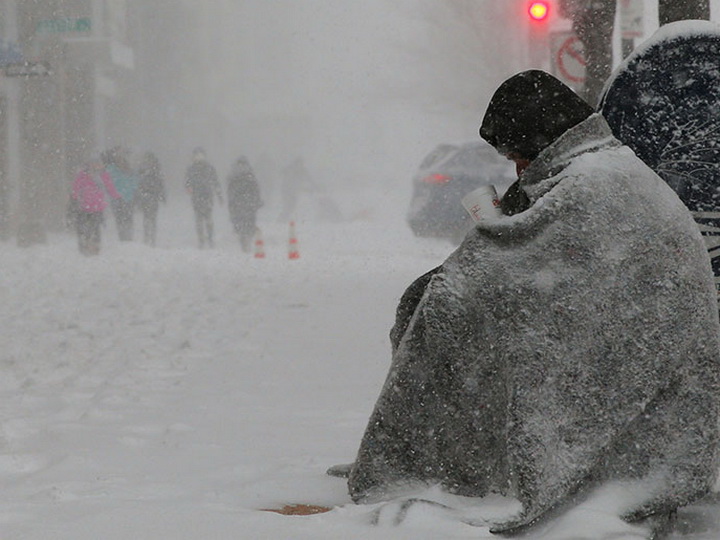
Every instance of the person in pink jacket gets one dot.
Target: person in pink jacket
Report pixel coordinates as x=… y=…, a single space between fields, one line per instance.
x=91 y=190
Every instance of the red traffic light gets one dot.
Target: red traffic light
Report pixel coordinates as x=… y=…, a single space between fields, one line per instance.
x=539 y=11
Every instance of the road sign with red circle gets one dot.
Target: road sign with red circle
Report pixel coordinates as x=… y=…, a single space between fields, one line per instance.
x=568 y=56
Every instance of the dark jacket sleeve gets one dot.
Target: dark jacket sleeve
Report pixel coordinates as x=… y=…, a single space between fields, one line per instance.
x=407 y=305
x=514 y=201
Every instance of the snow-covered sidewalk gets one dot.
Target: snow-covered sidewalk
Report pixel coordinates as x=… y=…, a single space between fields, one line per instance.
x=174 y=393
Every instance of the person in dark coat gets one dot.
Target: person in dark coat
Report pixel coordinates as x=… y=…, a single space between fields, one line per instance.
x=244 y=201
x=201 y=182
x=571 y=347
x=117 y=164
x=151 y=191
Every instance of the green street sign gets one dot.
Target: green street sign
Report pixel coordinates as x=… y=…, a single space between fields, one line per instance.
x=64 y=25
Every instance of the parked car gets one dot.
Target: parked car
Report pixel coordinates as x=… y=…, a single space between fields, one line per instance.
x=444 y=177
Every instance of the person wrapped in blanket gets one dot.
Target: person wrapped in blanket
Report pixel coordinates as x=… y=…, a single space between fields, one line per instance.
x=572 y=342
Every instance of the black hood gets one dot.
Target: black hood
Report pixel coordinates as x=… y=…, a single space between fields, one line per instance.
x=529 y=111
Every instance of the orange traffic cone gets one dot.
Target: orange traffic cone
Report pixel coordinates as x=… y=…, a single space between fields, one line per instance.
x=259 y=245
x=293 y=252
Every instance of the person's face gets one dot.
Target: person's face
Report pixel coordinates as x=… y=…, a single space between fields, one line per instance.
x=521 y=163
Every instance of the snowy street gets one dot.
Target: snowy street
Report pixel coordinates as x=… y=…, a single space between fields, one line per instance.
x=173 y=393
x=170 y=393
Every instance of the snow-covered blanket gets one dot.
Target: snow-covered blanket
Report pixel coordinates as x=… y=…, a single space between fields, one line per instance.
x=557 y=349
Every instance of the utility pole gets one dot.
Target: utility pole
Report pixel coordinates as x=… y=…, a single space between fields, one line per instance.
x=679 y=10
x=593 y=23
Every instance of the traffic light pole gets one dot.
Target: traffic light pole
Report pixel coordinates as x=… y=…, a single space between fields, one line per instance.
x=538 y=35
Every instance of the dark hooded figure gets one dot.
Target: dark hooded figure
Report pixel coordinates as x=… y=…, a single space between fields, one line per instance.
x=521 y=129
x=571 y=346
x=150 y=192
x=244 y=201
x=117 y=164
x=201 y=182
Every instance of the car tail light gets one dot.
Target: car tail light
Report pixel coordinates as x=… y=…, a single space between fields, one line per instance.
x=436 y=179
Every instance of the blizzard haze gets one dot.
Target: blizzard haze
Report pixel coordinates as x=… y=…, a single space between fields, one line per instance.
x=361 y=90
x=176 y=393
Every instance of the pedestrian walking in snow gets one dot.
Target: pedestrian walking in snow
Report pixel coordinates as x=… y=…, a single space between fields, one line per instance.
x=244 y=201
x=117 y=164
x=201 y=182
x=151 y=191
x=570 y=345
x=91 y=190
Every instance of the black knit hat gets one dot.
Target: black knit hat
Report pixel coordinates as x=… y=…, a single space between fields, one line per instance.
x=529 y=111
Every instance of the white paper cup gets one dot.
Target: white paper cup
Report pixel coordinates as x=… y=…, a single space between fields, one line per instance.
x=482 y=203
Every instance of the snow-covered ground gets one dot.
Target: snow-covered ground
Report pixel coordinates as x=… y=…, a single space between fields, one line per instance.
x=174 y=393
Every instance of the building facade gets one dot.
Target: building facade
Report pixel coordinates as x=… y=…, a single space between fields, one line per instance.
x=60 y=99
